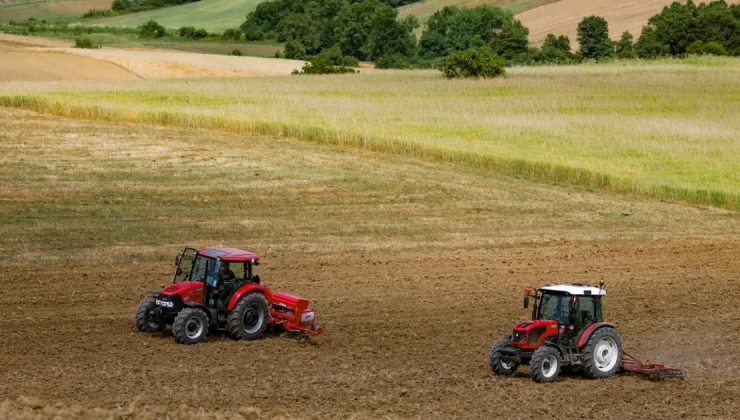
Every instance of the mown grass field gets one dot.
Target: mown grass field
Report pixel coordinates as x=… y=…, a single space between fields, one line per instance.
x=213 y=15
x=667 y=130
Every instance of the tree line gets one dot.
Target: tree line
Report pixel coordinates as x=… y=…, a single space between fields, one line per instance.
x=372 y=30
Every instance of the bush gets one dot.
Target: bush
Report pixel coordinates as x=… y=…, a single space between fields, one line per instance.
x=473 y=62
x=322 y=65
x=236 y=52
x=84 y=43
x=151 y=29
x=251 y=31
x=710 y=48
x=278 y=54
x=294 y=50
x=96 y=13
x=593 y=35
x=231 y=34
x=200 y=34
x=186 y=31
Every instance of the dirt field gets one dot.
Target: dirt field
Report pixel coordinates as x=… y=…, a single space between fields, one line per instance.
x=414 y=268
x=562 y=17
x=29 y=58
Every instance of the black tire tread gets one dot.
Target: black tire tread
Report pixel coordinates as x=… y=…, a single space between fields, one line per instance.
x=142 y=315
x=178 y=327
x=235 y=317
x=587 y=354
x=494 y=361
x=535 y=365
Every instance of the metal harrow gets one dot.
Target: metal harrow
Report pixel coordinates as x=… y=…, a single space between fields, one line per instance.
x=653 y=371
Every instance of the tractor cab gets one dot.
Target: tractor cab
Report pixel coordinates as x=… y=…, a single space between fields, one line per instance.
x=572 y=307
x=223 y=270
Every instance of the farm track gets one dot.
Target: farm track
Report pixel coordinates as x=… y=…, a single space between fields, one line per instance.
x=407 y=335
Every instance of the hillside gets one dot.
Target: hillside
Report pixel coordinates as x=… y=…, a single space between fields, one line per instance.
x=424 y=9
x=562 y=18
x=40 y=10
x=213 y=15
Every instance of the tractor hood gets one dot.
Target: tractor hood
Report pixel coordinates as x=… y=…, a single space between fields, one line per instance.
x=182 y=288
x=530 y=325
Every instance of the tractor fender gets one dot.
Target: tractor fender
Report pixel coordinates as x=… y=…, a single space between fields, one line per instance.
x=200 y=306
x=590 y=330
x=551 y=342
x=247 y=289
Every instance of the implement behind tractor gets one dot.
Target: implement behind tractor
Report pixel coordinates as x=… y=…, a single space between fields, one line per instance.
x=568 y=329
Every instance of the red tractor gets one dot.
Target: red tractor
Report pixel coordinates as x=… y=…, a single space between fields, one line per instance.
x=215 y=288
x=567 y=329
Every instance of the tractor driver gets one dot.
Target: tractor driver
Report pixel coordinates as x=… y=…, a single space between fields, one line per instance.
x=225 y=273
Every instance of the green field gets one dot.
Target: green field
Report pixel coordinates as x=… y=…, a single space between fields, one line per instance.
x=50 y=10
x=665 y=129
x=213 y=15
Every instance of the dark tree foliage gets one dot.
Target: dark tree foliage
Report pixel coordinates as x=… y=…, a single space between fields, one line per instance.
x=453 y=29
x=151 y=29
x=624 y=47
x=473 y=62
x=560 y=43
x=513 y=41
x=593 y=35
x=131 y=6
x=366 y=29
x=679 y=26
x=294 y=50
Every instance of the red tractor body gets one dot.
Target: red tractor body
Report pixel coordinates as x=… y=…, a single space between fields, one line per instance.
x=567 y=329
x=215 y=289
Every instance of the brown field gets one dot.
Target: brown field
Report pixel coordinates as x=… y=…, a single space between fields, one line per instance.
x=562 y=17
x=30 y=58
x=414 y=268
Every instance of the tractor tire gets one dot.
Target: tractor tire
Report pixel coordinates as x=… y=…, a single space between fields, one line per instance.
x=602 y=354
x=190 y=326
x=142 y=317
x=545 y=364
x=250 y=317
x=498 y=366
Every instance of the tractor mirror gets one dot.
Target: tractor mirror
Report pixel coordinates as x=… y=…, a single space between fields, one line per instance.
x=526 y=302
x=177 y=259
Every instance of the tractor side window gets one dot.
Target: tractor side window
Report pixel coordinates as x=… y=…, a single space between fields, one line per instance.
x=588 y=311
x=555 y=307
x=199 y=268
x=182 y=273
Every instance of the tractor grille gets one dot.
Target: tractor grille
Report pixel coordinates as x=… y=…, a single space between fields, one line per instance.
x=519 y=336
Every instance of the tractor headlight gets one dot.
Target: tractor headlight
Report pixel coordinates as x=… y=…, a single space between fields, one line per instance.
x=165 y=303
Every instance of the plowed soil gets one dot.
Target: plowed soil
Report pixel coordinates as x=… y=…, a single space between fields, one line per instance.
x=410 y=309
x=562 y=17
x=407 y=335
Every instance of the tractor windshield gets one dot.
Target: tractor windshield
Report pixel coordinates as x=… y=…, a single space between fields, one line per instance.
x=203 y=268
x=555 y=306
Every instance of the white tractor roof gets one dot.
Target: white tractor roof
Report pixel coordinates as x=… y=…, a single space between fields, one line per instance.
x=576 y=289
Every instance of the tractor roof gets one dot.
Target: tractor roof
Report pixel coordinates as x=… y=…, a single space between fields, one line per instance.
x=230 y=254
x=576 y=289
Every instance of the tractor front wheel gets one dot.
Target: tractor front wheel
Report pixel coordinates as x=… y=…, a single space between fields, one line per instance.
x=143 y=323
x=545 y=364
x=498 y=366
x=602 y=353
x=249 y=319
x=190 y=326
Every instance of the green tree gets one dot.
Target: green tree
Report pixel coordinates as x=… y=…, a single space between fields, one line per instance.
x=453 y=29
x=294 y=50
x=649 y=46
x=560 y=43
x=513 y=41
x=473 y=62
x=624 y=47
x=593 y=35
x=151 y=29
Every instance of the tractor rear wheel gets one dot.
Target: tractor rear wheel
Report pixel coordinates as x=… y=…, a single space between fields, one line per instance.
x=602 y=354
x=545 y=364
x=190 y=326
x=498 y=366
x=249 y=319
x=143 y=323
